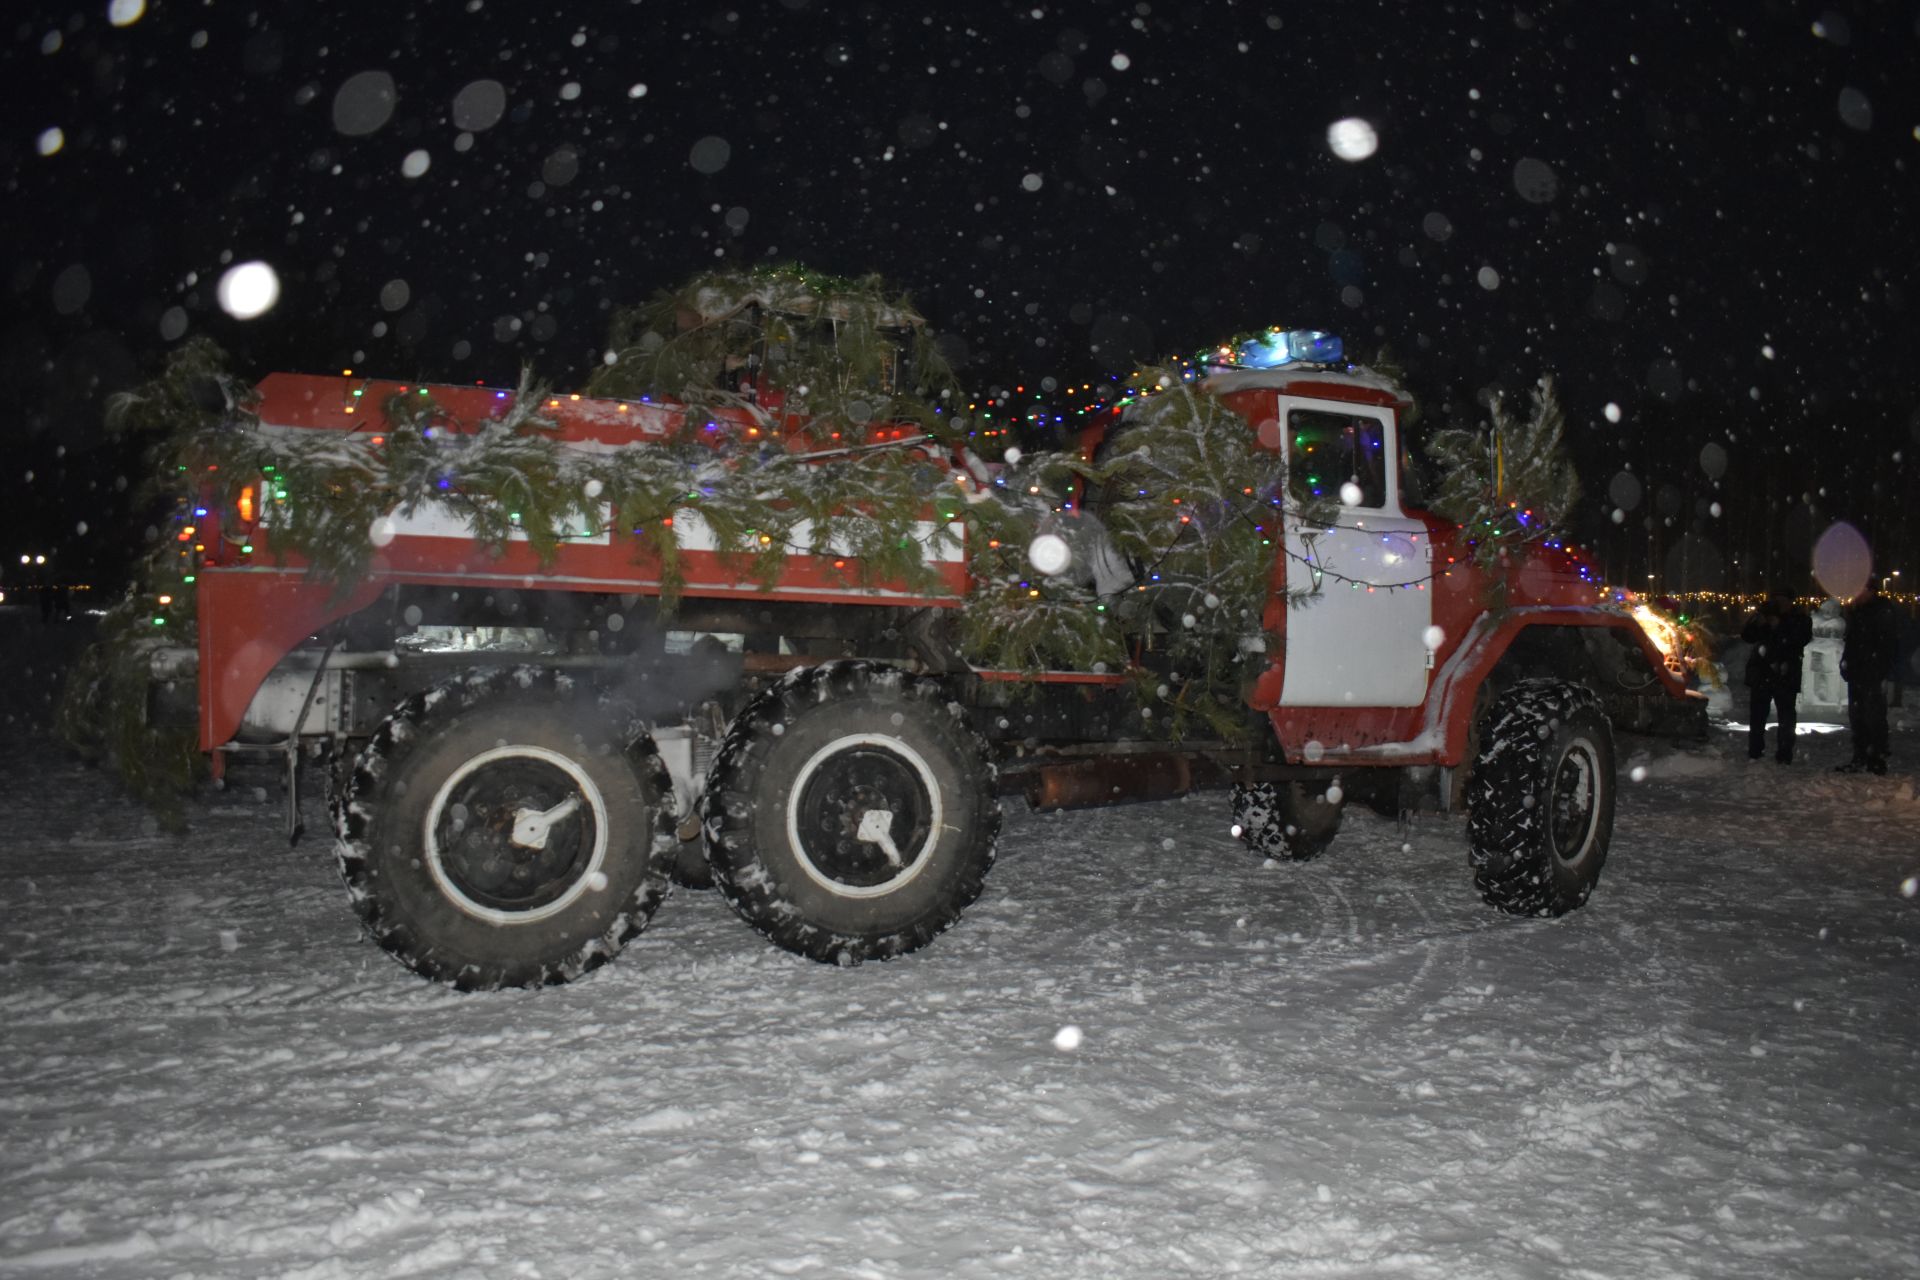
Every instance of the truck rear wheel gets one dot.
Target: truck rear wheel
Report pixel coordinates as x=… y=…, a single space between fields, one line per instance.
x=500 y=831
x=850 y=813
x=1540 y=799
x=1290 y=821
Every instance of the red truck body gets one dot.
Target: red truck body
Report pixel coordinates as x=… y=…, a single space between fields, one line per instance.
x=1383 y=690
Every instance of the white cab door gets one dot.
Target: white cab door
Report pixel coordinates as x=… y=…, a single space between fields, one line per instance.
x=1358 y=638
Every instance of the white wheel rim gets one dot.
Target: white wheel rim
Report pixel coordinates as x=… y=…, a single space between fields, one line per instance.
x=583 y=882
x=1582 y=756
x=912 y=866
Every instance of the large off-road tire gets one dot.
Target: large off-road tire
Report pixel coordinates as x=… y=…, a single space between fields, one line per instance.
x=504 y=829
x=850 y=813
x=1540 y=799
x=1290 y=821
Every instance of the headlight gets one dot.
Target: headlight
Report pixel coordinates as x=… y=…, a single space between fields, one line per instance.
x=1658 y=629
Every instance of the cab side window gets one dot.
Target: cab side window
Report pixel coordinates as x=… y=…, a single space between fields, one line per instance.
x=1327 y=451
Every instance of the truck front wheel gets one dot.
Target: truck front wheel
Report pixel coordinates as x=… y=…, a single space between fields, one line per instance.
x=1540 y=799
x=501 y=830
x=1290 y=821
x=850 y=813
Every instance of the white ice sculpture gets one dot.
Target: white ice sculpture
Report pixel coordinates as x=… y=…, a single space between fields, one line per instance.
x=1821 y=688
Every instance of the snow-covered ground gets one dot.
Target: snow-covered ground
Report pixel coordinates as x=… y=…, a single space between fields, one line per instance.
x=1346 y=1068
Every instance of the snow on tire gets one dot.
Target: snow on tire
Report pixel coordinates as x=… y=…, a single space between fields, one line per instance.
x=503 y=830
x=850 y=813
x=1540 y=799
x=1290 y=821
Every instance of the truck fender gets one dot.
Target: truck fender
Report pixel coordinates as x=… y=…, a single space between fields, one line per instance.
x=249 y=620
x=1450 y=699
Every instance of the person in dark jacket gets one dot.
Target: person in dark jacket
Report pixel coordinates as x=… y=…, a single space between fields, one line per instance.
x=1779 y=632
x=1866 y=660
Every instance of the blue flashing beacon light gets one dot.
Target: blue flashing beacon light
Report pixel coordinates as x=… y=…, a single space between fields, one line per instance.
x=1277 y=347
x=1274 y=349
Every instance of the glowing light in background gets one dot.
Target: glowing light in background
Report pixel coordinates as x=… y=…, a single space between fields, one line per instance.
x=248 y=289
x=1050 y=554
x=1352 y=139
x=1842 y=560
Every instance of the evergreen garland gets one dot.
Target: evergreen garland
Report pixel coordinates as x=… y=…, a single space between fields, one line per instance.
x=180 y=413
x=1509 y=487
x=102 y=714
x=1195 y=502
x=102 y=711
x=1184 y=506
x=1165 y=539
x=782 y=341
x=504 y=475
x=826 y=346
x=1017 y=617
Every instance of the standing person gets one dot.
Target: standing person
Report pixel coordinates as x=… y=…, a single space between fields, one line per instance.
x=1866 y=660
x=1779 y=632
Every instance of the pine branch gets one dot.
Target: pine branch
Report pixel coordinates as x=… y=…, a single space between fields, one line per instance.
x=1512 y=485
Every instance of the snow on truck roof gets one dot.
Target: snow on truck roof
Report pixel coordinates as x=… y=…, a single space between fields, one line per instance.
x=1302 y=380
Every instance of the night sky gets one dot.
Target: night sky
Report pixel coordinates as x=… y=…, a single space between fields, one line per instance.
x=1699 y=218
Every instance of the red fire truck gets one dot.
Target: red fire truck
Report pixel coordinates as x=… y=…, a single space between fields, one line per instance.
x=523 y=753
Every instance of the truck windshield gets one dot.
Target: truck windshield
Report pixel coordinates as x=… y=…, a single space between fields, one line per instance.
x=1328 y=450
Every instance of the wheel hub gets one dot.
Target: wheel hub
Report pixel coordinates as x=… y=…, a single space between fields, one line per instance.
x=514 y=834
x=863 y=815
x=1572 y=803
